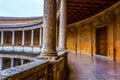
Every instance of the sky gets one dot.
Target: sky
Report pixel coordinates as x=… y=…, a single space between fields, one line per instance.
x=21 y=8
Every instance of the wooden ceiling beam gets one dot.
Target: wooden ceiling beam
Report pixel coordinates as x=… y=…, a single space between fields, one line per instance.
x=78 y=10
x=86 y=6
x=92 y=2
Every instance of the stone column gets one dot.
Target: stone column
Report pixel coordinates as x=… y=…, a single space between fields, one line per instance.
x=2 y=37
x=32 y=36
x=62 y=29
x=23 y=38
x=22 y=61
x=0 y=63
x=12 y=62
x=40 y=37
x=49 y=29
x=13 y=38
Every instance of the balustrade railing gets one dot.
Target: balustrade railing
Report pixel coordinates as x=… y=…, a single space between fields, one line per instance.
x=21 y=49
x=37 y=70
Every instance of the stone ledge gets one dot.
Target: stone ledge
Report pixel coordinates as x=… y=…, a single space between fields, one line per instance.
x=5 y=74
x=47 y=58
x=19 y=55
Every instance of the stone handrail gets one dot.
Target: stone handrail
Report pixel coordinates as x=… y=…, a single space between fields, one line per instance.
x=18 y=55
x=31 y=71
x=21 y=49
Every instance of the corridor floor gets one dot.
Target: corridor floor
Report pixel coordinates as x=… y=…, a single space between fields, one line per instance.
x=85 y=67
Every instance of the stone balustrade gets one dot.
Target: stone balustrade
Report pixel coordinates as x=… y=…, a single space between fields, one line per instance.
x=21 y=49
x=34 y=70
x=38 y=70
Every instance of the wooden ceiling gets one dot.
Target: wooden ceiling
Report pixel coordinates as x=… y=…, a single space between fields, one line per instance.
x=78 y=10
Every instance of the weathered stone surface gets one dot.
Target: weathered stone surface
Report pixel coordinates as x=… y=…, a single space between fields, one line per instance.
x=62 y=28
x=38 y=70
x=27 y=71
x=49 y=29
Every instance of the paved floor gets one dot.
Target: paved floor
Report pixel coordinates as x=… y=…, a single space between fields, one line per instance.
x=84 y=67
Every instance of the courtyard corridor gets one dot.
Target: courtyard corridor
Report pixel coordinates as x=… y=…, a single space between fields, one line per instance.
x=85 y=67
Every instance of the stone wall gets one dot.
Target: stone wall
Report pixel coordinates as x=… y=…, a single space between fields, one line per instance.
x=81 y=36
x=7 y=38
x=27 y=38
x=18 y=38
x=36 y=37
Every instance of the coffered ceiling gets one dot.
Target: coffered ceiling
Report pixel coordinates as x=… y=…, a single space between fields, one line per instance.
x=78 y=10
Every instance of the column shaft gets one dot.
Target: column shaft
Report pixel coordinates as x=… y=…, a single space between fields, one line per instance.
x=32 y=36
x=40 y=37
x=13 y=38
x=1 y=63
x=49 y=29
x=12 y=62
x=23 y=33
x=63 y=22
x=2 y=37
x=22 y=61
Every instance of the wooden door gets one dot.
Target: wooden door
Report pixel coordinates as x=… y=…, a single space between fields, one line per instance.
x=101 y=41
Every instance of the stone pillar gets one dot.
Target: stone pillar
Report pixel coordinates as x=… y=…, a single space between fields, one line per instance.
x=22 y=61
x=32 y=37
x=0 y=63
x=13 y=38
x=2 y=37
x=23 y=38
x=40 y=37
x=62 y=29
x=49 y=29
x=12 y=62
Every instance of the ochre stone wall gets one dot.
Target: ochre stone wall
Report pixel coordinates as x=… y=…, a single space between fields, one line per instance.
x=81 y=36
x=17 y=62
x=117 y=43
x=36 y=37
x=70 y=41
x=27 y=38
x=18 y=38
x=6 y=63
x=7 y=38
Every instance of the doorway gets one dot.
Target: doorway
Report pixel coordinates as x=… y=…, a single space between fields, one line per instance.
x=101 y=41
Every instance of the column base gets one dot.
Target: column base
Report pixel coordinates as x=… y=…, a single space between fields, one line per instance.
x=48 y=52
x=48 y=55
x=49 y=58
x=61 y=49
